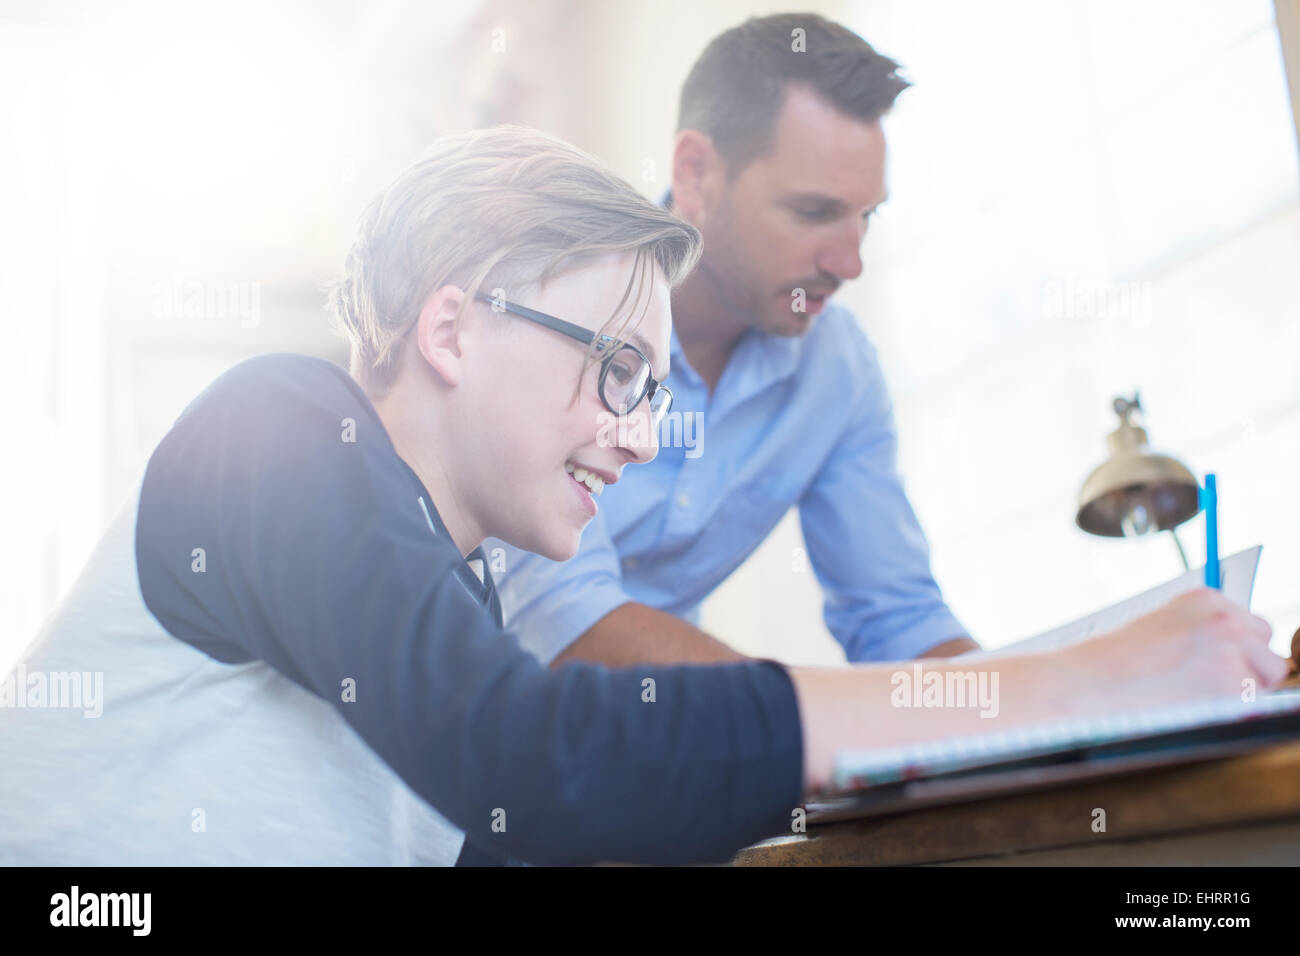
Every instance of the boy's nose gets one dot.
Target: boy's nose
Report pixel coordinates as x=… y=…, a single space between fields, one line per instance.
x=638 y=435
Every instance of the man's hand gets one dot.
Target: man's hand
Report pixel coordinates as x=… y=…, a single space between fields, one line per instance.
x=1293 y=665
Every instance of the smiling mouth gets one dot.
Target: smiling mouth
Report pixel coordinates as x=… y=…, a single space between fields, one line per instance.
x=594 y=483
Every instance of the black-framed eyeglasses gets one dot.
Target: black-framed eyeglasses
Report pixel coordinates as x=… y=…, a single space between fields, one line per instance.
x=625 y=378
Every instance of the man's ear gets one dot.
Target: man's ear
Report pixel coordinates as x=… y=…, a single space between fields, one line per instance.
x=438 y=334
x=699 y=175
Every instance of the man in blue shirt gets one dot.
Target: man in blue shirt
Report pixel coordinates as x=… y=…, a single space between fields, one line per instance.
x=779 y=398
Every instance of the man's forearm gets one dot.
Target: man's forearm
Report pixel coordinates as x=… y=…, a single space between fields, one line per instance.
x=958 y=645
x=636 y=634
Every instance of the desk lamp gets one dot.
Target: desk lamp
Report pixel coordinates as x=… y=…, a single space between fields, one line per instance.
x=1137 y=491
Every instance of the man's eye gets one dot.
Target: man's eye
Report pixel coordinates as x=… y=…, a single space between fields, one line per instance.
x=813 y=215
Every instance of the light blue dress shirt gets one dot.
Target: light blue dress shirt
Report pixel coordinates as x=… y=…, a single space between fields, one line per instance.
x=803 y=422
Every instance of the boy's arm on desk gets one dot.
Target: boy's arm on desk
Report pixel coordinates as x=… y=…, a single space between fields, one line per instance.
x=1197 y=647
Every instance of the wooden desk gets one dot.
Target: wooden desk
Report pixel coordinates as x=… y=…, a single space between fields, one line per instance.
x=1236 y=811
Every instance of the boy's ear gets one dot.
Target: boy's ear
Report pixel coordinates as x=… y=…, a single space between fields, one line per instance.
x=438 y=334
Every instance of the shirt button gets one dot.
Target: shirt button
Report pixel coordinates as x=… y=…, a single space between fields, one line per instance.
x=629 y=563
x=683 y=500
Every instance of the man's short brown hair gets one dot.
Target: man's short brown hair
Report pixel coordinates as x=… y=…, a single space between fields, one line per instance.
x=736 y=88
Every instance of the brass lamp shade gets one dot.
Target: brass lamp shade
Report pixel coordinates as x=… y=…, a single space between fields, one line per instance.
x=1136 y=490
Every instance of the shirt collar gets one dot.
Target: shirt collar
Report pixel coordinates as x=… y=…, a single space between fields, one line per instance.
x=680 y=368
x=483 y=589
x=486 y=594
x=761 y=360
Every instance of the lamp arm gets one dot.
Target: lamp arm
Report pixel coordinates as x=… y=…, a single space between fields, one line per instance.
x=1181 y=553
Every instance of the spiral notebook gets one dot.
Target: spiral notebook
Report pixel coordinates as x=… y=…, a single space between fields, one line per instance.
x=893 y=779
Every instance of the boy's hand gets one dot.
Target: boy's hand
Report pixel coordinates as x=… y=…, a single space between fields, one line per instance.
x=1199 y=645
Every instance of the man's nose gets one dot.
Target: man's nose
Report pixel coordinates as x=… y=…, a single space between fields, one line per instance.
x=843 y=257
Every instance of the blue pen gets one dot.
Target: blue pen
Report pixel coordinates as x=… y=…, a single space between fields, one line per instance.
x=1210 y=501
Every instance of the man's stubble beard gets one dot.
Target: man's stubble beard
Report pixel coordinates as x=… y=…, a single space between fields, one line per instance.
x=743 y=298
x=740 y=297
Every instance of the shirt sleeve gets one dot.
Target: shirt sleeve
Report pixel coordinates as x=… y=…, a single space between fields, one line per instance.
x=316 y=558
x=550 y=604
x=864 y=541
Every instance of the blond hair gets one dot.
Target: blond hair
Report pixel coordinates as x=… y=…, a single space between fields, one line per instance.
x=492 y=208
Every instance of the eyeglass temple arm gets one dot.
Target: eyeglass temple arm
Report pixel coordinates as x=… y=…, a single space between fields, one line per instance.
x=586 y=336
